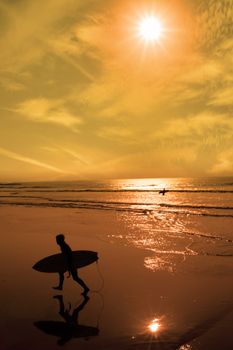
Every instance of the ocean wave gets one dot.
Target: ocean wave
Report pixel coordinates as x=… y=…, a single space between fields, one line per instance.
x=187 y=213
x=118 y=203
x=191 y=253
x=117 y=206
x=48 y=189
x=188 y=206
x=71 y=205
x=207 y=236
x=79 y=200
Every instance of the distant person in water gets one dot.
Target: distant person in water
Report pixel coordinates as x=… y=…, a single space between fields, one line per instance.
x=163 y=191
x=67 y=252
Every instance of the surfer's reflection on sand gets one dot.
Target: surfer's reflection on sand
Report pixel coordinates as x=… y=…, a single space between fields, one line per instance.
x=71 y=327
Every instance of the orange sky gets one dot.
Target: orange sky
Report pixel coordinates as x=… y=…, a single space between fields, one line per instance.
x=82 y=96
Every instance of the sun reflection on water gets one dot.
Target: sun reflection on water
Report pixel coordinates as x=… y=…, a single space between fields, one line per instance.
x=174 y=227
x=154 y=326
x=160 y=333
x=185 y=347
x=144 y=184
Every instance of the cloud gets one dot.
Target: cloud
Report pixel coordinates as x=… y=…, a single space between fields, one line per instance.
x=74 y=155
x=43 y=110
x=205 y=125
x=204 y=70
x=11 y=85
x=32 y=30
x=115 y=132
x=24 y=159
x=71 y=51
x=222 y=97
x=213 y=21
x=224 y=163
x=60 y=149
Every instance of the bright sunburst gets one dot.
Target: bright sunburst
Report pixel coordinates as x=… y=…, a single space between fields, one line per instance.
x=154 y=326
x=150 y=28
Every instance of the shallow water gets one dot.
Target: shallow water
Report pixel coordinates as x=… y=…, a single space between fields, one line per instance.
x=195 y=216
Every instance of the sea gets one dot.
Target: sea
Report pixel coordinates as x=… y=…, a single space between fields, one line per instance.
x=175 y=218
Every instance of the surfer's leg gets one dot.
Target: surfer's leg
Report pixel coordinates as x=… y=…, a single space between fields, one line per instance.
x=61 y=304
x=61 y=280
x=79 y=281
x=76 y=311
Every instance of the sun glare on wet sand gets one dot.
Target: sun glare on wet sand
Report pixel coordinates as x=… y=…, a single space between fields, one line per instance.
x=154 y=326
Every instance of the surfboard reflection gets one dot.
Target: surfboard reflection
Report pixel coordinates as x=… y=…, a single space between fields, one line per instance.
x=70 y=328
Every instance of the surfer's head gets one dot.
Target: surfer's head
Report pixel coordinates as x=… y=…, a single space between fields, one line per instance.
x=60 y=238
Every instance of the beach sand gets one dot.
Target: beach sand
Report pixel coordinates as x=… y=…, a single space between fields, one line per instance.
x=191 y=309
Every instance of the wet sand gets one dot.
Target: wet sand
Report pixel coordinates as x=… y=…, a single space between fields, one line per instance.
x=192 y=310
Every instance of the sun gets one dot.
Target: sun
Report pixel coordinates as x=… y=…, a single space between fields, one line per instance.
x=150 y=28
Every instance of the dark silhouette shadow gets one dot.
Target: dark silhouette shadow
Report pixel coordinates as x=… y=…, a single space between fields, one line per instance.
x=70 y=328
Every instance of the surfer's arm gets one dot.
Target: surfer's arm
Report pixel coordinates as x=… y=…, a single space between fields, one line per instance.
x=69 y=263
x=66 y=250
x=69 y=259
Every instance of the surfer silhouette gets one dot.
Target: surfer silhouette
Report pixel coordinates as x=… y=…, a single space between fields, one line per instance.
x=67 y=252
x=163 y=191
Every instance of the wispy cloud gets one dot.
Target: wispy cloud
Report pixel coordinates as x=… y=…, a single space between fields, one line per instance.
x=203 y=126
x=32 y=32
x=222 y=97
x=43 y=110
x=70 y=51
x=28 y=160
x=11 y=85
x=74 y=155
x=213 y=22
x=115 y=133
x=223 y=164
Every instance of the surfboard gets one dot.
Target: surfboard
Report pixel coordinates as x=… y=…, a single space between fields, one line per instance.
x=63 y=329
x=57 y=262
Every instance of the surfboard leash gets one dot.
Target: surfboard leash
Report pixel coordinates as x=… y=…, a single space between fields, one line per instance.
x=101 y=277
